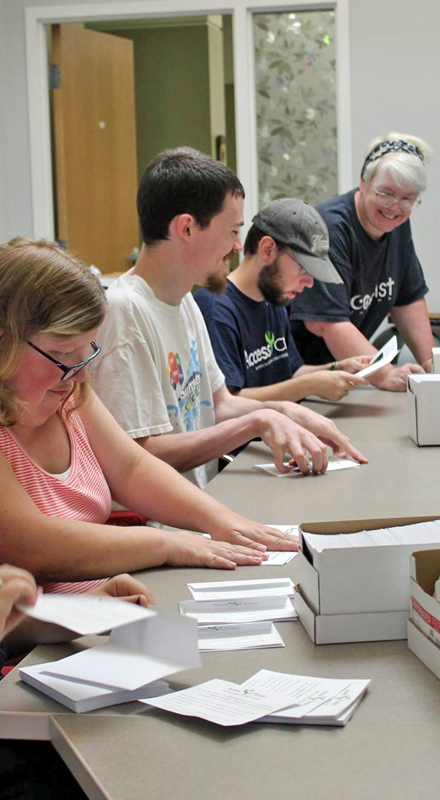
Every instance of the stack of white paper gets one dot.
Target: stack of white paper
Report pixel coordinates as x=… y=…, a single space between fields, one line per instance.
x=248 y=609
x=247 y=636
x=413 y=535
x=238 y=615
x=338 y=698
x=155 y=645
x=81 y=697
x=268 y=697
x=236 y=590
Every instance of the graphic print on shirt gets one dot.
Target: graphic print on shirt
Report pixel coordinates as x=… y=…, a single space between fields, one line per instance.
x=187 y=389
x=274 y=349
x=382 y=291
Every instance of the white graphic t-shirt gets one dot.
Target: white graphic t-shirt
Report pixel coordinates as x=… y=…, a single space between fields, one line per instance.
x=157 y=372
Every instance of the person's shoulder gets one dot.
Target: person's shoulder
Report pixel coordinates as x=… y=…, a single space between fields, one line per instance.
x=127 y=291
x=338 y=209
x=211 y=304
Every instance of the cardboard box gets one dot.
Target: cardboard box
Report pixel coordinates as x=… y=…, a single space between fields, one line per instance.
x=355 y=594
x=436 y=359
x=423 y=397
x=424 y=608
x=344 y=628
x=356 y=580
x=425 y=649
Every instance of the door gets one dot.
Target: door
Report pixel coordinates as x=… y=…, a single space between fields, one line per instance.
x=95 y=146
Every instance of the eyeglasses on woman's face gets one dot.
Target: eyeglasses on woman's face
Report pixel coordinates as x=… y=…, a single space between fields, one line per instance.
x=388 y=200
x=69 y=371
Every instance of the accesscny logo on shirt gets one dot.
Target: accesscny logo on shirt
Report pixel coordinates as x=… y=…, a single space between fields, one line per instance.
x=383 y=290
x=262 y=354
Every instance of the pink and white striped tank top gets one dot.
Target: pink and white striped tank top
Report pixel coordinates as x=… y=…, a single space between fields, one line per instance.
x=84 y=495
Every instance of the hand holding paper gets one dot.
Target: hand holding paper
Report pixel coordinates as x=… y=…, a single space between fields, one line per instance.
x=385 y=356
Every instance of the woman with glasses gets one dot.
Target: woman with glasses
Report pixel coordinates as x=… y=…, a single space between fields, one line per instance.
x=371 y=247
x=63 y=458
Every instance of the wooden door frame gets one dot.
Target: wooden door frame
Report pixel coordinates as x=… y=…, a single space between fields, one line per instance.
x=246 y=136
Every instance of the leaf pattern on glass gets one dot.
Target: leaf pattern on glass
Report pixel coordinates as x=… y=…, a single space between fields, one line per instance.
x=295 y=75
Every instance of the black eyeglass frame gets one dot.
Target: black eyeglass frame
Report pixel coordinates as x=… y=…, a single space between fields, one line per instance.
x=74 y=368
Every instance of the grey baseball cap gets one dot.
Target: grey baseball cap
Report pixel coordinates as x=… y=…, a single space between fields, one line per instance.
x=298 y=225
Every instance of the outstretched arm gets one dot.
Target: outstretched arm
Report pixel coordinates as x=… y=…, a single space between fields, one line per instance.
x=329 y=385
x=413 y=323
x=343 y=339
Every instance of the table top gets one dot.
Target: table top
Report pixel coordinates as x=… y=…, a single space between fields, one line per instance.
x=390 y=747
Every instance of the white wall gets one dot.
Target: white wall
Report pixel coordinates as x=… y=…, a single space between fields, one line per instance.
x=394 y=85
x=395 y=63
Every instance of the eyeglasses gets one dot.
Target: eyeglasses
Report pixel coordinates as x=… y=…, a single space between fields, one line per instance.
x=388 y=200
x=69 y=372
x=291 y=254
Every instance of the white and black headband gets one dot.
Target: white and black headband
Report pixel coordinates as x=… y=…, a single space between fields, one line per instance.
x=394 y=146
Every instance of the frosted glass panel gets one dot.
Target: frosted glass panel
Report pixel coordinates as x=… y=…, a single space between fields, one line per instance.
x=295 y=75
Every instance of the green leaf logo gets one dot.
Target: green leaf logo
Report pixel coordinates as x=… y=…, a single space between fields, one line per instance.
x=270 y=339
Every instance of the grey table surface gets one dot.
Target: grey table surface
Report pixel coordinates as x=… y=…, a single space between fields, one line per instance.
x=390 y=747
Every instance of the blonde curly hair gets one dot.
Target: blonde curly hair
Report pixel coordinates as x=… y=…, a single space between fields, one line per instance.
x=43 y=289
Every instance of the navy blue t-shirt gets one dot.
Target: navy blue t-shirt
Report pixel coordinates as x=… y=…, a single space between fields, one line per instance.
x=251 y=340
x=377 y=275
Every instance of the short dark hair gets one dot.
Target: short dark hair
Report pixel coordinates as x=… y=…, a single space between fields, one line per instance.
x=253 y=240
x=182 y=181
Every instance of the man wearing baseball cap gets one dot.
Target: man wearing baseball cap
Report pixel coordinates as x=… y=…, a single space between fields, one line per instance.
x=285 y=249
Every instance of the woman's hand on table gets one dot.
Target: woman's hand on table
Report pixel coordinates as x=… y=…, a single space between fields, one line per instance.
x=254 y=535
x=191 y=550
x=124 y=587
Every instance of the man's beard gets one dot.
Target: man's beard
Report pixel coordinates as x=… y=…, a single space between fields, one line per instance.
x=269 y=281
x=216 y=284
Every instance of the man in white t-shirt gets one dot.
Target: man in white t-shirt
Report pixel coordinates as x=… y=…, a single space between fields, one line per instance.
x=157 y=372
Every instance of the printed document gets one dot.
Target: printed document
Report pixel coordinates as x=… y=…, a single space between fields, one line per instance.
x=222 y=702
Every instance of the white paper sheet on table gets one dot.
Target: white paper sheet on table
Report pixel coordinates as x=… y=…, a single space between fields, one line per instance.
x=236 y=590
x=248 y=636
x=219 y=701
x=385 y=355
x=85 y=614
x=334 y=464
x=136 y=654
x=277 y=558
x=250 y=609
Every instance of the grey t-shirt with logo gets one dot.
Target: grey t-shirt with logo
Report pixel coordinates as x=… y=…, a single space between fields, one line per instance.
x=377 y=275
